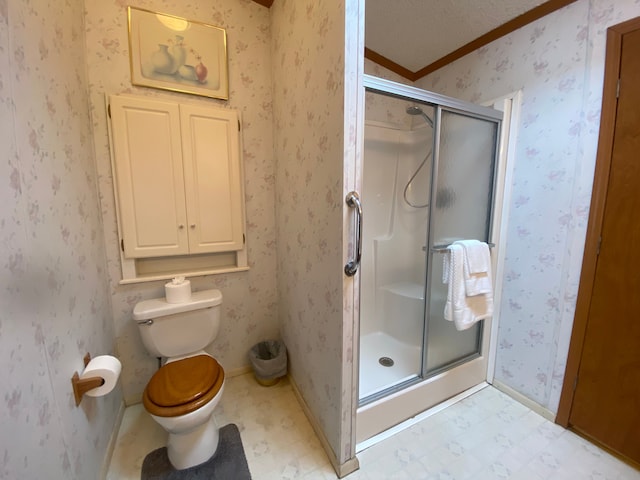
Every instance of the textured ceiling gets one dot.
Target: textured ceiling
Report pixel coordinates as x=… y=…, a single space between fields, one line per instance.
x=416 y=33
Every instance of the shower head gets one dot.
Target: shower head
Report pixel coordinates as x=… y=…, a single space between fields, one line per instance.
x=413 y=110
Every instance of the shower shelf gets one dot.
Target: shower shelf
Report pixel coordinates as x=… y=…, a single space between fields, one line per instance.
x=406 y=289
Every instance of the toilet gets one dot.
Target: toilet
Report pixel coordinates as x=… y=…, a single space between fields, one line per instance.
x=183 y=394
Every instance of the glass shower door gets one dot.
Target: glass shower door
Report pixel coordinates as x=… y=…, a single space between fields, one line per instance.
x=461 y=209
x=395 y=194
x=427 y=180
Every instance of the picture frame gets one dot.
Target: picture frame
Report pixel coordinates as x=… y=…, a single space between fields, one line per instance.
x=173 y=53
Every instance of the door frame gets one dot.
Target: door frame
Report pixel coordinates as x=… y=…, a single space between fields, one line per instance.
x=596 y=212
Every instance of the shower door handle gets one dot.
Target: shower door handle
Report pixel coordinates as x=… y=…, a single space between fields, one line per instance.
x=353 y=201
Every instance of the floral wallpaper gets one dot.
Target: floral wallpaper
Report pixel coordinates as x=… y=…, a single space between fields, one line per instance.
x=249 y=310
x=60 y=292
x=310 y=140
x=56 y=304
x=558 y=63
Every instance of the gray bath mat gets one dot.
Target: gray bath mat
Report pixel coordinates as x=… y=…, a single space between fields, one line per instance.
x=228 y=463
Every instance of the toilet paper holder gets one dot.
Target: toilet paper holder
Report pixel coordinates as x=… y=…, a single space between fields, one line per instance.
x=83 y=385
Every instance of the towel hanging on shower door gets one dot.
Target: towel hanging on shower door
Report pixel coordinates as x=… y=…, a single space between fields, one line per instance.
x=462 y=309
x=477 y=267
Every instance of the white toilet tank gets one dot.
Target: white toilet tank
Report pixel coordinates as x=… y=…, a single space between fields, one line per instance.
x=173 y=329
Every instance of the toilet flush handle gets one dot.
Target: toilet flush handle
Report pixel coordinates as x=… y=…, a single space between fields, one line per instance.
x=146 y=322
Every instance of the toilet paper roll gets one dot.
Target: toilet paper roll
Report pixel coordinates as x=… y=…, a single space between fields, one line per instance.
x=104 y=366
x=178 y=290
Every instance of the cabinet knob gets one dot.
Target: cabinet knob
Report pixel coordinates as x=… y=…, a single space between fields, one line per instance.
x=193 y=225
x=180 y=226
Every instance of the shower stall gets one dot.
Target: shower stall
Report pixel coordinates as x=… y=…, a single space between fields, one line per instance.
x=428 y=178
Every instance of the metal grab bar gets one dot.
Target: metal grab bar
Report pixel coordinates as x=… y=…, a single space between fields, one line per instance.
x=353 y=201
x=445 y=248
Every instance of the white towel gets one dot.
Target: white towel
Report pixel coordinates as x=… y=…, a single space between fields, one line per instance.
x=464 y=311
x=477 y=267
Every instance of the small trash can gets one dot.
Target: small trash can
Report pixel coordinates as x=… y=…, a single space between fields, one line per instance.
x=269 y=361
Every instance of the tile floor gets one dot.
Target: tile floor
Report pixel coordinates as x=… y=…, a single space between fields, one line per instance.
x=485 y=436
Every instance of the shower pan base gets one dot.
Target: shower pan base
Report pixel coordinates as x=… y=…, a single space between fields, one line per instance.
x=375 y=377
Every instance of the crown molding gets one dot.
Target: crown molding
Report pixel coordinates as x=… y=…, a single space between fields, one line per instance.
x=504 y=29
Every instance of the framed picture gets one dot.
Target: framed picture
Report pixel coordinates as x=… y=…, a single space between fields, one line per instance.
x=173 y=53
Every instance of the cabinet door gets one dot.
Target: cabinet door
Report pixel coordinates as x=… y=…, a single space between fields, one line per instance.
x=211 y=152
x=150 y=183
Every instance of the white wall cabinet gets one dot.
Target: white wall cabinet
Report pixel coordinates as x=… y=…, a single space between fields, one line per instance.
x=178 y=177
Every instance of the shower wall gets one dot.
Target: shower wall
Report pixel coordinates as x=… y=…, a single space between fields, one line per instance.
x=393 y=232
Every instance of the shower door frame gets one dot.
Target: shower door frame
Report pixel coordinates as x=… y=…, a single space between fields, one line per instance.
x=430 y=390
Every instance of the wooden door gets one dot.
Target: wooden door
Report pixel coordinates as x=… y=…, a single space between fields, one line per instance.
x=606 y=401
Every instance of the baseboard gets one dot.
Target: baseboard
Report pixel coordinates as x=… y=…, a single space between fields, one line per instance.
x=526 y=401
x=113 y=439
x=133 y=399
x=236 y=372
x=342 y=469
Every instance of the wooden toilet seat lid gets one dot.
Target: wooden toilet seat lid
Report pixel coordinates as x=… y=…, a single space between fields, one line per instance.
x=183 y=386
